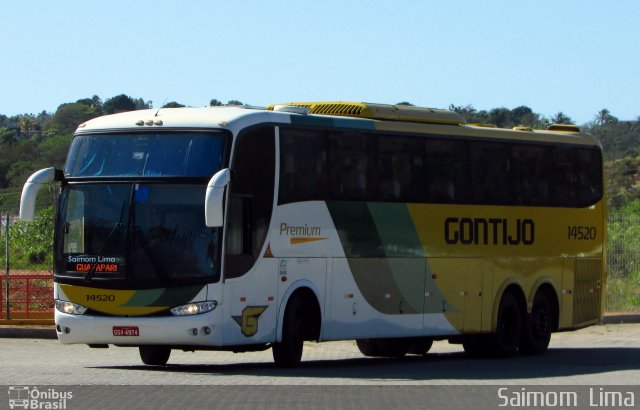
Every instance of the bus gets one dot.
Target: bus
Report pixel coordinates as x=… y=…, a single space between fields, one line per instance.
x=249 y=228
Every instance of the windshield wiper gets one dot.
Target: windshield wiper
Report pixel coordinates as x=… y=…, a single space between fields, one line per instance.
x=116 y=228
x=147 y=250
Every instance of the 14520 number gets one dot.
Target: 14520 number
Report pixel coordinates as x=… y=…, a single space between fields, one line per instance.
x=581 y=233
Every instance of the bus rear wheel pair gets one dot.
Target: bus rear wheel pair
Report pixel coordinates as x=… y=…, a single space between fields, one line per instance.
x=515 y=331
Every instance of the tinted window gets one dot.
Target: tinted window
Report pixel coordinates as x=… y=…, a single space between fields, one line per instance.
x=531 y=174
x=250 y=199
x=447 y=171
x=303 y=165
x=351 y=166
x=146 y=154
x=490 y=166
x=323 y=165
x=399 y=169
x=589 y=175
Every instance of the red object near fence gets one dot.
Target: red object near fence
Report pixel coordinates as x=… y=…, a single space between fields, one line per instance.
x=30 y=297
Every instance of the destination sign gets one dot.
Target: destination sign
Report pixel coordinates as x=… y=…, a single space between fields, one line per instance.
x=97 y=264
x=96 y=267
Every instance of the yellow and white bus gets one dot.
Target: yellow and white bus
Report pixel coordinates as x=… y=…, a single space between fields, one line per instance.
x=244 y=228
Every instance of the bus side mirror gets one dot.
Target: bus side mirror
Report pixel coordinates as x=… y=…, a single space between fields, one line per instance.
x=213 y=212
x=31 y=188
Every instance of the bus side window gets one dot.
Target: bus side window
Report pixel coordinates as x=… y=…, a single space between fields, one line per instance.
x=530 y=174
x=250 y=199
x=303 y=165
x=446 y=171
x=399 y=169
x=589 y=176
x=351 y=163
x=564 y=176
x=490 y=169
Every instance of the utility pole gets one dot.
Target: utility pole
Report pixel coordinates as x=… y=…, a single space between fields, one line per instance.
x=6 y=263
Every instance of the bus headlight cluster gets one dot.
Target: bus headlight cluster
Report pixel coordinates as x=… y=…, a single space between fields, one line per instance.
x=194 y=308
x=70 y=308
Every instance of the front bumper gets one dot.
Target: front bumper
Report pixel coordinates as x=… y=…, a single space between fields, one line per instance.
x=196 y=330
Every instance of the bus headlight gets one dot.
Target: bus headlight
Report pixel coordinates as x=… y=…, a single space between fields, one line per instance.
x=194 y=308
x=70 y=308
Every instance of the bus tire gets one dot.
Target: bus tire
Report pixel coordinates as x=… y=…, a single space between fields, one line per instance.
x=154 y=355
x=421 y=347
x=476 y=345
x=505 y=340
x=368 y=347
x=537 y=327
x=384 y=347
x=288 y=352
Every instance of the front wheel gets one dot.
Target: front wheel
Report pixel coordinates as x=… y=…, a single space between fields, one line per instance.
x=288 y=352
x=154 y=355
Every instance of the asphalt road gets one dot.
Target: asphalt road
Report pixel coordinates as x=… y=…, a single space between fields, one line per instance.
x=597 y=356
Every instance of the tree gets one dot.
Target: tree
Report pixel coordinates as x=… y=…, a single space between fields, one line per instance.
x=604 y=117
x=8 y=136
x=94 y=102
x=523 y=115
x=501 y=117
x=69 y=116
x=173 y=104
x=142 y=104
x=119 y=103
x=234 y=102
x=215 y=103
x=561 y=118
x=26 y=123
x=43 y=119
x=406 y=103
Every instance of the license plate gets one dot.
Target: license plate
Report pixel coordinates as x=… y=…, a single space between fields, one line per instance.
x=126 y=331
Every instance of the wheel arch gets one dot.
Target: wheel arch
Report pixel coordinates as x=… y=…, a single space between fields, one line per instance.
x=312 y=308
x=513 y=286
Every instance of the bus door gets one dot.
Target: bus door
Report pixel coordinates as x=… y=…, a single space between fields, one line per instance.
x=250 y=278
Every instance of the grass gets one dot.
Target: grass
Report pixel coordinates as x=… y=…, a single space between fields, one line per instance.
x=623 y=293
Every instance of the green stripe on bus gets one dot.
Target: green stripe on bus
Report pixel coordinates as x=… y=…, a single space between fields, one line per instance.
x=356 y=229
x=396 y=229
x=163 y=297
x=144 y=298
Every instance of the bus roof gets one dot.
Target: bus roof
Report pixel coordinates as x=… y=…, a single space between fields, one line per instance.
x=380 y=117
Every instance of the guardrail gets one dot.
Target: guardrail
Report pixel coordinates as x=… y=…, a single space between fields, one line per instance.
x=30 y=297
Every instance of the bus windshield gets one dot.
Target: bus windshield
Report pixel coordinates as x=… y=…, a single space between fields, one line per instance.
x=150 y=154
x=144 y=234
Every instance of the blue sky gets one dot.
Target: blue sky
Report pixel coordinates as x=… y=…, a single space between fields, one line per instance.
x=551 y=55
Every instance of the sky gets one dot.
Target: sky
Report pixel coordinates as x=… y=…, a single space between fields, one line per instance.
x=573 y=56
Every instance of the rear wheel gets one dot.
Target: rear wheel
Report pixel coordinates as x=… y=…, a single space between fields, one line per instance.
x=537 y=327
x=476 y=345
x=288 y=352
x=154 y=355
x=504 y=341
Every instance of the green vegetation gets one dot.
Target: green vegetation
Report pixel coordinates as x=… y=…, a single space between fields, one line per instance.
x=31 y=243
